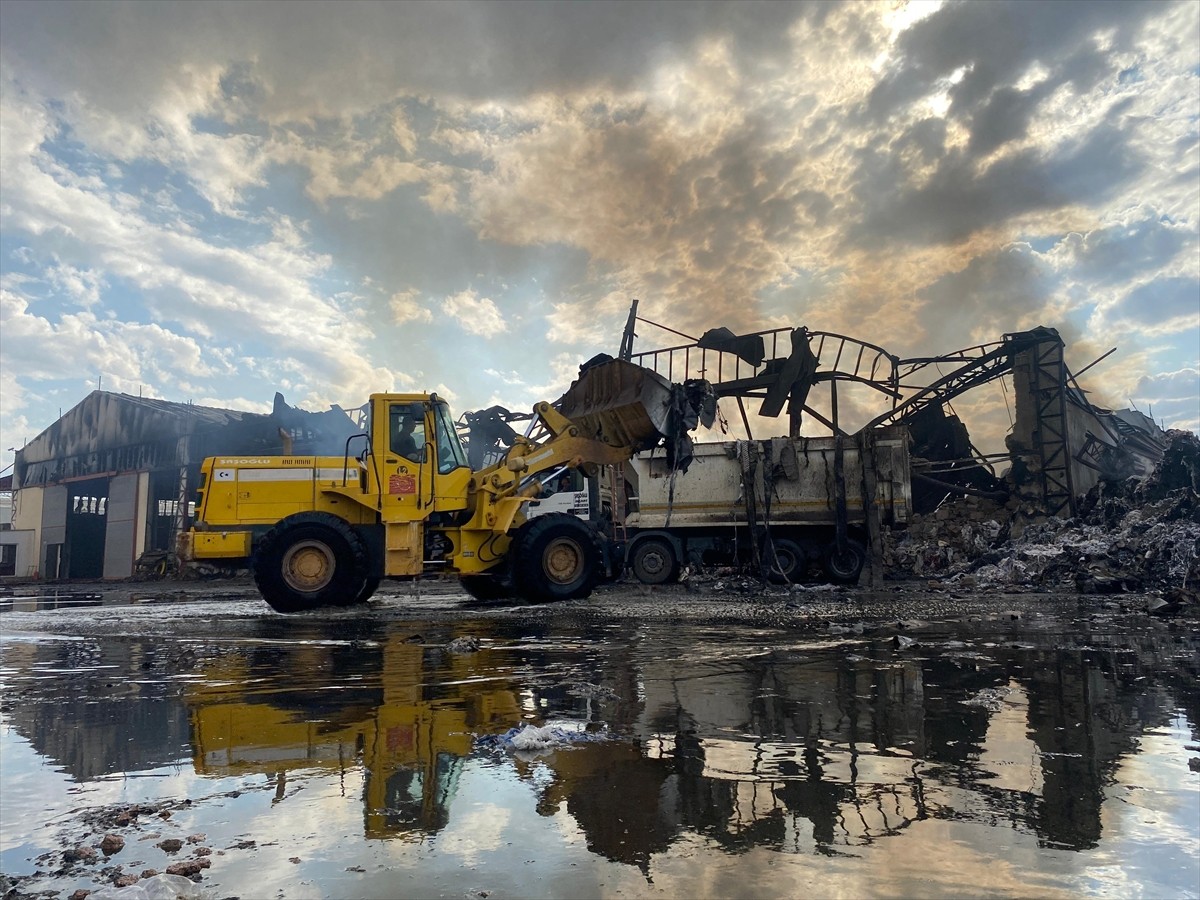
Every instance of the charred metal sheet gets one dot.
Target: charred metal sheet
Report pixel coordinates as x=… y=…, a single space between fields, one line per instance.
x=795 y=377
x=487 y=431
x=750 y=347
x=109 y=433
x=314 y=433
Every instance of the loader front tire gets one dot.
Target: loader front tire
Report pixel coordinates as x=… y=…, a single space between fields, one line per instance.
x=486 y=587
x=308 y=561
x=556 y=557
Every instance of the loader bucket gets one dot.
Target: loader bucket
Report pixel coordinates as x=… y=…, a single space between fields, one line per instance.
x=619 y=403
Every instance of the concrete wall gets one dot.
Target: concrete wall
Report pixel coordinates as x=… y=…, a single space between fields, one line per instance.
x=146 y=507
x=27 y=517
x=25 y=542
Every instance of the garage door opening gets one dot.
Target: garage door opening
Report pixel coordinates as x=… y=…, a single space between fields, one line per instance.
x=87 y=511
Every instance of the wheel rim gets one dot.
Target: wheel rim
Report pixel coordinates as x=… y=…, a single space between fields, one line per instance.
x=844 y=564
x=563 y=561
x=653 y=562
x=308 y=566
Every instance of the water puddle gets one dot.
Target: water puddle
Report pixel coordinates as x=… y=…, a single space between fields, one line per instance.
x=316 y=759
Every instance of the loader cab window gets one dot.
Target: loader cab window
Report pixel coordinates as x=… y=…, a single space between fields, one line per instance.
x=406 y=430
x=450 y=450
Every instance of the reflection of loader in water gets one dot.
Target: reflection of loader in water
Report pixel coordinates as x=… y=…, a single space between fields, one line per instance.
x=410 y=745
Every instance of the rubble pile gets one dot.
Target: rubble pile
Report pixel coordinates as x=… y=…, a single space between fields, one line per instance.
x=1128 y=536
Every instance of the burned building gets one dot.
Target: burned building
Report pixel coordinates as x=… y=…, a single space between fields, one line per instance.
x=1060 y=445
x=114 y=479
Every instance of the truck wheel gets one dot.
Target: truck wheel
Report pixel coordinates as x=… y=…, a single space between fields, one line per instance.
x=844 y=568
x=653 y=561
x=557 y=557
x=486 y=587
x=310 y=561
x=785 y=562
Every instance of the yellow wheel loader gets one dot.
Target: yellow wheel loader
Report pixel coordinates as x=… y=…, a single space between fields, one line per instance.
x=402 y=501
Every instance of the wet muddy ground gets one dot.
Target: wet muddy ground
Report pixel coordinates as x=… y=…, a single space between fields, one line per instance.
x=715 y=744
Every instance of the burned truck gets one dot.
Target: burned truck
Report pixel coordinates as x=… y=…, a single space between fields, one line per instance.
x=786 y=505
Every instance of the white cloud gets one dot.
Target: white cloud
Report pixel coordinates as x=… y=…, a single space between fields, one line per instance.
x=406 y=307
x=852 y=170
x=477 y=315
x=1173 y=398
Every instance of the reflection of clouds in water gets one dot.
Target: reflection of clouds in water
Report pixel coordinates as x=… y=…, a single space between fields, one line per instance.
x=476 y=830
x=1009 y=757
x=1153 y=808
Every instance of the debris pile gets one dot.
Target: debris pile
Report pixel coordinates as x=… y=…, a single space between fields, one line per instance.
x=542 y=738
x=1132 y=535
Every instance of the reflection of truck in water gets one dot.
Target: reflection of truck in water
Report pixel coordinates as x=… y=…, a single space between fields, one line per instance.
x=777 y=498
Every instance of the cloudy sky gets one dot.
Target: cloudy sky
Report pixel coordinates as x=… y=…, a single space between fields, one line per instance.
x=212 y=202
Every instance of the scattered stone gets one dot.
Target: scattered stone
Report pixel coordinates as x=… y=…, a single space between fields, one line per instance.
x=125 y=880
x=81 y=853
x=195 y=838
x=79 y=894
x=464 y=644
x=112 y=843
x=902 y=642
x=171 y=845
x=355 y=869
x=204 y=851
x=1194 y=763
x=294 y=859
x=188 y=867
x=149 y=873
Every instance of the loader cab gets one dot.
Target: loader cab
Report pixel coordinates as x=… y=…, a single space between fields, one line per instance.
x=419 y=466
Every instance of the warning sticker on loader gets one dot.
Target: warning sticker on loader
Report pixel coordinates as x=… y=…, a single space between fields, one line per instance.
x=402 y=484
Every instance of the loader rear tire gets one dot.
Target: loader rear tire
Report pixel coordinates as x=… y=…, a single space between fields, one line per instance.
x=370 y=586
x=653 y=561
x=844 y=568
x=556 y=557
x=308 y=561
